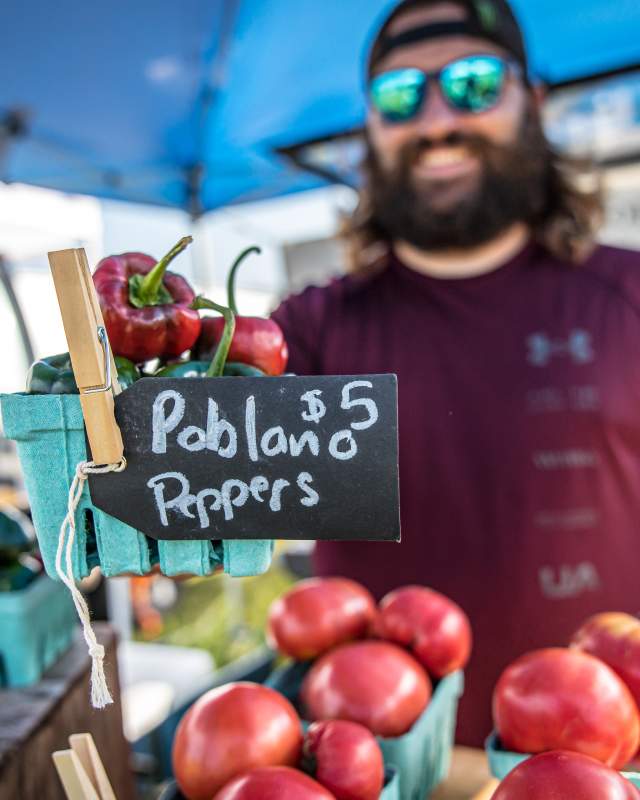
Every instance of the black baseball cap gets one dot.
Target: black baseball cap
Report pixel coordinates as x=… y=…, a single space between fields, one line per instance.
x=493 y=20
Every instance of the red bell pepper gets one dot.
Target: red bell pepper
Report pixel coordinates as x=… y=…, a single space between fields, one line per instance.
x=256 y=341
x=147 y=310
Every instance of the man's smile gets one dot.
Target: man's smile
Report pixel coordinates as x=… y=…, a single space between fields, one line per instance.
x=445 y=163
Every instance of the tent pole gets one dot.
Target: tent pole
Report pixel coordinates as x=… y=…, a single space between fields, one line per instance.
x=25 y=338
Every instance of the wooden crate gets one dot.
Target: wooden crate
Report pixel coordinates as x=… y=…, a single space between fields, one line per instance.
x=37 y=720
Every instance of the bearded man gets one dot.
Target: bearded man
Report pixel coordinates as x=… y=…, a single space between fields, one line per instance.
x=515 y=338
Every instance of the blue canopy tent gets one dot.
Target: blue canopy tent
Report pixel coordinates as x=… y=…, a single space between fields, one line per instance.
x=187 y=104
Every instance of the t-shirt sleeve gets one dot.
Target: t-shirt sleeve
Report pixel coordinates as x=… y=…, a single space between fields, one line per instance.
x=300 y=316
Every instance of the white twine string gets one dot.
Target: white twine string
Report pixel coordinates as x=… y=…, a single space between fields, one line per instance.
x=100 y=696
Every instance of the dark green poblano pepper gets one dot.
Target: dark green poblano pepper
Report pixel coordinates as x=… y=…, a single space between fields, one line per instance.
x=54 y=375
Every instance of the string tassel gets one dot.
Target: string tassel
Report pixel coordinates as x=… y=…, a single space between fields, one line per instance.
x=100 y=696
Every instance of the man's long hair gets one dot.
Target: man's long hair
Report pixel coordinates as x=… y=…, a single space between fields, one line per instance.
x=565 y=222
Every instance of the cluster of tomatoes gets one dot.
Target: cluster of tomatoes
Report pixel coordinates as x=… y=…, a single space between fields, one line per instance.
x=578 y=708
x=371 y=675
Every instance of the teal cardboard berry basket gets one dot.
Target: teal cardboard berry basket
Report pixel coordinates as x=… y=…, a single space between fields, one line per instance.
x=390 y=791
x=256 y=667
x=37 y=625
x=422 y=756
x=502 y=761
x=50 y=438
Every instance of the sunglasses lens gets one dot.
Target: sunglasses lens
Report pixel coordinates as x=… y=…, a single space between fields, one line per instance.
x=473 y=84
x=398 y=94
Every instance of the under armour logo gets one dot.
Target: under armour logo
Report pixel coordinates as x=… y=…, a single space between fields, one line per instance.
x=542 y=349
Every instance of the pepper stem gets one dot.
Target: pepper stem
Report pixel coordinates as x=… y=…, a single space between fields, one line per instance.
x=148 y=291
x=222 y=351
x=231 y=280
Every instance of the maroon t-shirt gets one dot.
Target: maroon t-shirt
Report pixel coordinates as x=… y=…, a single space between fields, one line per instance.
x=519 y=429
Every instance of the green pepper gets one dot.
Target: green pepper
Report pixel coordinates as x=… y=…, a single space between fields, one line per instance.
x=17 y=567
x=54 y=375
x=14 y=539
x=16 y=576
x=128 y=372
x=199 y=369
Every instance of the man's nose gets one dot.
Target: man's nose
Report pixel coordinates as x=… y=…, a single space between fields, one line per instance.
x=436 y=119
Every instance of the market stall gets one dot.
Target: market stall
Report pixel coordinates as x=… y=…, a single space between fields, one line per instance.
x=121 y=440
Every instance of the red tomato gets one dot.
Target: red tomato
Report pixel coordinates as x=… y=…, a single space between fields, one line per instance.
x=561 y=775
x=348 y=759
x=561 y=699
x=274 y=783
x=318 y=614
x=377 y=684
x=230 y=730
x=435 y=629
x=615 y=638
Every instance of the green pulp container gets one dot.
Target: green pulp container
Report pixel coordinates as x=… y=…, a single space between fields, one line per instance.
x=50 y=438
x=422 y=756
x=502 y=761
x=390 y=791
x=37 y=624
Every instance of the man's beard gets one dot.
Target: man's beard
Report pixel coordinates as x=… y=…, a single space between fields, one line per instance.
x=512 y=187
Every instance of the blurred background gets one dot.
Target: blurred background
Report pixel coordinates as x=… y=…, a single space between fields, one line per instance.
x=237 y=121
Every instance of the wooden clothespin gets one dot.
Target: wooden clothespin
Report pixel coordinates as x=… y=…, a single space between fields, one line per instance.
x=91 y=358
x=81 y=770
x=75 y=781
x=85 y=748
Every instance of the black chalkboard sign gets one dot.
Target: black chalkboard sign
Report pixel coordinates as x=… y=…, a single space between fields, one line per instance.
x=257 y=458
